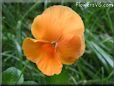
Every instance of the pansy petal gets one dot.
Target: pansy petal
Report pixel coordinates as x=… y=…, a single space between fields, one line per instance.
x=50 y=62
x=32 y=48
x=44 y=27
x=70 y=48
x=55 y=21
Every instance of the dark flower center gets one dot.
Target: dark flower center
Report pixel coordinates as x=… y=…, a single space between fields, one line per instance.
x=53 y=44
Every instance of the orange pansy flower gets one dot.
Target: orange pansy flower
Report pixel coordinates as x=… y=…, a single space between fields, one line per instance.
x=59 y=39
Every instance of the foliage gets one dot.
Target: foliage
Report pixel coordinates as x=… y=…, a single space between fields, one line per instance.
x=12 y=76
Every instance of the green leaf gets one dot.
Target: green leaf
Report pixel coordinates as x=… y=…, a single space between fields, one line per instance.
x=12 y=76
x=29 y=82
x=104 y=56
x=62 y=78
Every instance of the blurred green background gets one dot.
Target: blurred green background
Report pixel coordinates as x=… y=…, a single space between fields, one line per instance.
x=96 y=66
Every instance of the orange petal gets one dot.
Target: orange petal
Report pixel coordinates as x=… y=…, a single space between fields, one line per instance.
x=31 y=48
x=43 y=54
x=44 y=28
x=55 y=21
x=50 y=62
x=70 y=48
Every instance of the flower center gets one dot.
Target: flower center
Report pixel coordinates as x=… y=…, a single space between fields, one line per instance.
x=53 y=43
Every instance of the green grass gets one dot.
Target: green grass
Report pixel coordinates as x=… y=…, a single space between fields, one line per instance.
x=96 y=66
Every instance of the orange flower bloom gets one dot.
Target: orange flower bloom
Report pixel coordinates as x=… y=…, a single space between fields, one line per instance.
x=59 y=39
